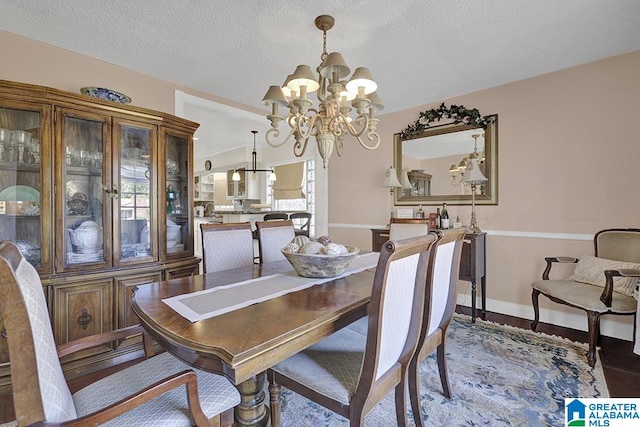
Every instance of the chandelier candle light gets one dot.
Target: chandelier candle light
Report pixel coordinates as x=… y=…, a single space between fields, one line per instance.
x=332 y=118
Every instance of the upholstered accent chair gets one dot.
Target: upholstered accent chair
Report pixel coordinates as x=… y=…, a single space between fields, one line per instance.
x=600 y=284
x=301 y=221
x=226 y=246
x=348 y=372
x=403 y=228
x=440 y=303
x=158 y=391
x=272 y=237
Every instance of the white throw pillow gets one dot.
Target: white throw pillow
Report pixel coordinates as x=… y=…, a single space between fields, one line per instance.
x=590 y=269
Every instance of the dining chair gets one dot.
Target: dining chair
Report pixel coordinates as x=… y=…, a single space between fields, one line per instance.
x=302 y=220
x=599 y=285
x=275 y=216
x=440 y=303
x=149 y=393
x=272 y=237
x=349 y=373
x=226 y=246
x=399 y=229
x=403 y=228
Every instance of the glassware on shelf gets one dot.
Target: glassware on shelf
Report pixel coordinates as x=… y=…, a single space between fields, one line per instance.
x=34 y=149
x=172 y=167
x=21 y=138
x=5 y=139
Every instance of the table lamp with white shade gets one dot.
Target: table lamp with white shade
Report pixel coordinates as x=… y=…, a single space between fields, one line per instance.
x=473 y=176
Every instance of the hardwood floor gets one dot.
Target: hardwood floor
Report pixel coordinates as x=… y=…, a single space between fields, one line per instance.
x=621 y=366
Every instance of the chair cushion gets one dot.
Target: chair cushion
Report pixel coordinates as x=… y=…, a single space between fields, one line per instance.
x=216 y=393
x=590 y=269
x=585 y=295
x=330 y=367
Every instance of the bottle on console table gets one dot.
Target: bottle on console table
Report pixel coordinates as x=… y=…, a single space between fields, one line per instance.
x=438 y=218
x=420 y=213
x=444 y=222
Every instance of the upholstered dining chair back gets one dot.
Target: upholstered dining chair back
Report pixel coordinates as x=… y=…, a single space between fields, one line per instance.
x=149 y=393
x=226 y=246
x=350 y=372
x=440 y=303
x=32 y=349
x=403 y=228
x=392 y=328
x=272 y=237
x=441 y=286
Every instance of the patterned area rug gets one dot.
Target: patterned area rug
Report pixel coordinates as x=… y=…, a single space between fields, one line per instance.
x=499 y=375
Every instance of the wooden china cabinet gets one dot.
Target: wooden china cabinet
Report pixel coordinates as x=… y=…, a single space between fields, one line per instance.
x=96 y=194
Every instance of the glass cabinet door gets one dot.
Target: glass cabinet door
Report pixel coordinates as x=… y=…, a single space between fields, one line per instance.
x=178 y=197
x=24 y=201
x=85 y=232
x=134 y=208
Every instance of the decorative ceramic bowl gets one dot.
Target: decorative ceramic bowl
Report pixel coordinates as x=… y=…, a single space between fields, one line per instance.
x=87 y=238
x=173 y=232
x=319 y=265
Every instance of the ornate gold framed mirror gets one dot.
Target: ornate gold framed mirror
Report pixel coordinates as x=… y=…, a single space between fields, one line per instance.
x=427 y=158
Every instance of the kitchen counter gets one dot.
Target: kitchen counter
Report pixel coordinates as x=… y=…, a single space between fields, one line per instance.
x=222 y=212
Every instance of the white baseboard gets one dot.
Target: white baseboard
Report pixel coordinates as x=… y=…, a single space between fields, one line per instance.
x=608 y=326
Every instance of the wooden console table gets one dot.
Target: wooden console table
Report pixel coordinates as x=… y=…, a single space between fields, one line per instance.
x=473 y=262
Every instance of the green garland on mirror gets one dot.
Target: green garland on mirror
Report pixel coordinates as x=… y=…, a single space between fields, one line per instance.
x=459 y=114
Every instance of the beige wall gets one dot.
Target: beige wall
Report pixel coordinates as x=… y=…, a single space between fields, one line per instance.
x=567 y=162
x=568 y=156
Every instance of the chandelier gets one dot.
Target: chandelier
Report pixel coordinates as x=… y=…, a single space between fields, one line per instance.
x=331 y=120
x=254 y=163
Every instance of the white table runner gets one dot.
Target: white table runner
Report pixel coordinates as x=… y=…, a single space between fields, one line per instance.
x=223 y=299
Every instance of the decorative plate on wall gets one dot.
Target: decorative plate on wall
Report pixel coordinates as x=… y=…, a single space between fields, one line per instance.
x=104 y=93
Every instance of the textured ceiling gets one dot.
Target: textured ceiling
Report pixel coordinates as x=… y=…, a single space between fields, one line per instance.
x=419 y=51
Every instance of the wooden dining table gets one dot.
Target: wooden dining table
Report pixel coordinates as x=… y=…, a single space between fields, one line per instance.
x=244 y=343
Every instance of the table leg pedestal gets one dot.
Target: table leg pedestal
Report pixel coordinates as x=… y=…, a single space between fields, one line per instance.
x=252 y=410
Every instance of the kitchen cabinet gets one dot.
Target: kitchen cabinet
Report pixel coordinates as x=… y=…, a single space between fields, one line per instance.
x=97 y=195
x=204 y=187
x=247 y=188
